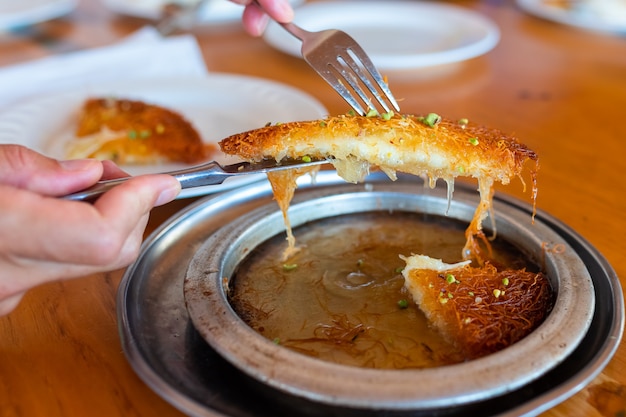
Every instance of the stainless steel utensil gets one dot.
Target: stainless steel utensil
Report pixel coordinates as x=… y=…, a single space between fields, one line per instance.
x=210 y=173
x=339 y=59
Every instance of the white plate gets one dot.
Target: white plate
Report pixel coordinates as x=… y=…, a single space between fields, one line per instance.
x=213 y=11
x=602 y=16
x=397 y=34
x=218 y=105
x=16 y=13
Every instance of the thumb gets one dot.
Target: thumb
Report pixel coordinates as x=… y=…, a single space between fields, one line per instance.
x=26 y=169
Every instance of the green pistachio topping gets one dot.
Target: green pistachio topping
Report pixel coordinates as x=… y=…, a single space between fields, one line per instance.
x=403 y=304
x=388 y=115
x=451 y=279
x=432 y=119
x=372 y=113
x=473 y=141
x=306 y=158
x=289 y=267
x=505 y=281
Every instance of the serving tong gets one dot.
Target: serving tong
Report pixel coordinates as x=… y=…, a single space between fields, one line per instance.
x=210 y=173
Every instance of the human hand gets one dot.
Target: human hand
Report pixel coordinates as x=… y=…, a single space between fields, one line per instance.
x=255 y=19
x=44 y=238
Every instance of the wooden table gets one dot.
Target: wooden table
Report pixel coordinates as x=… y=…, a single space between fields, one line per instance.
x=562 y=90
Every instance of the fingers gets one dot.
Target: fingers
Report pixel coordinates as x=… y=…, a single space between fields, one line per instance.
x=45 y=239
x=26 y=169
x=280 y=11
x=255 y=17
x=254 y=20
x=41 y=228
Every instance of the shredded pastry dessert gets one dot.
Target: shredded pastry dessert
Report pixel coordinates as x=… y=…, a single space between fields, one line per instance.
x=479 y=310
x=428 y=146
x=134 y=132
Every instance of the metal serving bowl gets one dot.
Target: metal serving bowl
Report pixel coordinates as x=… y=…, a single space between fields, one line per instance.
x=334 y=385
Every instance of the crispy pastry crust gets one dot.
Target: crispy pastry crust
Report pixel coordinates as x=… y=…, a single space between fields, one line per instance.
x=479 y=310
x=406 y=143
x=135 y=132
x=403 y=143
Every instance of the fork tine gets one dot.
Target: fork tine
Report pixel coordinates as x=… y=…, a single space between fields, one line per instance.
x=348 y=74
x=331 y=78
x=355 y=59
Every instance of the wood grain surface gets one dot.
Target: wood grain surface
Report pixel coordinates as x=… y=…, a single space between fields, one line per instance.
x=561 y=90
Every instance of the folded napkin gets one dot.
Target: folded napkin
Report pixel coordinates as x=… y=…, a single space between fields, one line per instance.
x=142 y=55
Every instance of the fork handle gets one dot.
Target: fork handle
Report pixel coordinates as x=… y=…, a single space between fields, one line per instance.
x=210 y=173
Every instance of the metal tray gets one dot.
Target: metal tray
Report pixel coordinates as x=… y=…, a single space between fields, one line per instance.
x=170 y=356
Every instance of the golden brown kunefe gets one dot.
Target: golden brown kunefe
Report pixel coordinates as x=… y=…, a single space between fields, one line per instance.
x=135 y=132
x=427 y=146
x=479 y=310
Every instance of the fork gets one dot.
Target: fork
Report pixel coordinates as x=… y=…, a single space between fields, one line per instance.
x=210 y=173
x=337 y=57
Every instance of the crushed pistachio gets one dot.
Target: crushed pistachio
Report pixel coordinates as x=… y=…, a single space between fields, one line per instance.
x=372 y=113
x=289 y=267
x=403 y=304
x=463 y=122
x=306 y=158
x=443 y=300
x=351 y=112
x=276 y=341
x=451 y=279
x=473 y=141
x=505 y=281
x=497 y=293
x=388 y=115
x=431 y=119
x=360 y=262
x=144 y=134
x=132 y=134
x=399 y=270
x=471 y=293
x=323 y=123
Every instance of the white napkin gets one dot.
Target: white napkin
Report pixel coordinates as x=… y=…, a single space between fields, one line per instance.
x=142 y=55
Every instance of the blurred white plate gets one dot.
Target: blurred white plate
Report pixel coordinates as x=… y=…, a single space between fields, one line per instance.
x=397 y=34
x=213 y=11
x=218 y=105
x=16 y=13
x=602 y=16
